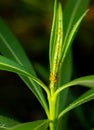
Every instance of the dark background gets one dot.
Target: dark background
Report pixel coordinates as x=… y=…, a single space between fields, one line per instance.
x=30 y=21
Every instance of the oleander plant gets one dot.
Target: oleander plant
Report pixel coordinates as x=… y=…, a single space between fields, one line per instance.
x=13 y=59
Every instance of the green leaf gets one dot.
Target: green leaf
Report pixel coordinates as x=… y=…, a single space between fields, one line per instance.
x=35 y=125
x=4 y=129
x=36 y=91
x=7 y=121
x=53 y=34
x=79 y=112
x=9 y=65
x=72 y=13
x=87 y=81
x=89 y=95
x=71 y=36
x=10 y=47
x=80 y=115
x=56 y=38
x=64 y=77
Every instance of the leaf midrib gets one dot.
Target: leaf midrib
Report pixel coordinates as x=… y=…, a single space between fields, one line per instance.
x=71 y=21
x=7 y=44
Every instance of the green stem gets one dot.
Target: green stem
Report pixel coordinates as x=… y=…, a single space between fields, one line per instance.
x=52 y=107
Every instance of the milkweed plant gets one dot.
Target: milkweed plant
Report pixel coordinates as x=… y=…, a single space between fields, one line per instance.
x=13 y=59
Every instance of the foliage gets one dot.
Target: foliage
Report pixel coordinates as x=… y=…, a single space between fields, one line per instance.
x=14 y=59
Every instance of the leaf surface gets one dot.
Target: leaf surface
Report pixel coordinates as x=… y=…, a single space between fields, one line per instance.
x=64 y=77
x=87 y=81
x=35 y=125
x=56 y=38
x=71 y=36
x=53 y=35
x=89 y=95
x=7 y=121
x=11 y=48
x=62 y=99
x=72 y=13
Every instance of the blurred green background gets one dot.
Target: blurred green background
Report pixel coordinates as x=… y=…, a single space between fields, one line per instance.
x=30 y=21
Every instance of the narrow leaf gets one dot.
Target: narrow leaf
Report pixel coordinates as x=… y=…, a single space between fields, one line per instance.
x=11 y=48
x=87 y=81
x=7 y=121
x=72 y=12
x=9 y=65
x=64 y=77
x=89 y=95
x=3 y=128
x=56 y=38
x=71 y=36
x=62 y=98
x=56 y=51
x=53 y=32
x=35 y=125
x=79 y=112
x=84 y=81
